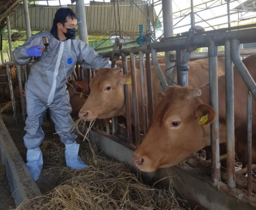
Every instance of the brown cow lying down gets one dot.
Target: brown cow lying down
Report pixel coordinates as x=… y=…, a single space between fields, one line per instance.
x=78 y=92
x=106 y=98
x=179 y=127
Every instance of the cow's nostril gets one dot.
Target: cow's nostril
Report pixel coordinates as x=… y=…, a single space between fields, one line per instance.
x=139 y=161
x=83 y=114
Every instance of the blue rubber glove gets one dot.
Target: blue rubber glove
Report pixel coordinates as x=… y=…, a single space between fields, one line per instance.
x=34 y=51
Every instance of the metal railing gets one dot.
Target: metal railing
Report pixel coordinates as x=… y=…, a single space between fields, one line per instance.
x=231 y=39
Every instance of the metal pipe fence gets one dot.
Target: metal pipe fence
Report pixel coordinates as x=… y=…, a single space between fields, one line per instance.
x=231 y=39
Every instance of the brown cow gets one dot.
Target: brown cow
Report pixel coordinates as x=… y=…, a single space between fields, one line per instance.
x=106 y=99
x=179 y=124
x=78 y=92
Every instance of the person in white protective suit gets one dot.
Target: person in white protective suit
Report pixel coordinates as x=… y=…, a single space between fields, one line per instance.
x=46 y=86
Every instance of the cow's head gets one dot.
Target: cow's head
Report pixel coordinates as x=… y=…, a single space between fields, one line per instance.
x=178 y=129
x=106 y=98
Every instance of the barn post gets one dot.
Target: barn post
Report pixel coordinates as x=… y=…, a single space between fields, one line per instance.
x=1 y=49
x=192 y=15
x=229 y=81
x=136 y=113
x=168 y=32
x=214 y=102
x=228 y=8
x=249 y=144
x=143 y=91
x=128 y=107
x=21 y=94
x=2 y=56
x=82 y=25
x=8 y=72
x=119 y=20
x=9 y=36
x=27 y=18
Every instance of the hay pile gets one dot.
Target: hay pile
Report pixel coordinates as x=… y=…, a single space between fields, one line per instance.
x=104 y=185
x=6 y=107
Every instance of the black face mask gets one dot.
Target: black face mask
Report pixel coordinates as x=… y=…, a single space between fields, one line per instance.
x=71 y=33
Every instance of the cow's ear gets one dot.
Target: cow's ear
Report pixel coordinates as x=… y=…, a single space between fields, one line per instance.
x=205 y=114
x=160 y=96
x=125 y=79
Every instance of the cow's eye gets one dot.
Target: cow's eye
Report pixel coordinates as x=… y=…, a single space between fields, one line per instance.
x=175 y=124
x=108 y=88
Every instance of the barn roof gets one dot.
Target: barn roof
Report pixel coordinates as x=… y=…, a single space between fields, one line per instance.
x=100 y=16
x=6 y=7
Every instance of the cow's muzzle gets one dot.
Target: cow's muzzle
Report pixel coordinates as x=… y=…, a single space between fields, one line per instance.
x=137 y=160
x=84 y=114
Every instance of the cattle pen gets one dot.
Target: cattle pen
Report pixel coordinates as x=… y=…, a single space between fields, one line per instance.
x=216 y=181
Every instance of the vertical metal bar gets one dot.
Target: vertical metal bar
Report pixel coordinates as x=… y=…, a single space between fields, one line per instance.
x=214 y=102
x=76 y=69
x=127 y=103
x=149 y=90
x=178 y=62
x=135 y=101
x=241 y=68
x=11 y=92
x=168 y=32
x=115 y=17
x=148 y=20
x=249 y=144
x=143 y=93
x=228 y=8
x=25 y=73
x=27 y=18
x=9 y=36
x=21 y=92
x=88 y=74
x=2 y=56
x=82 y=25
x=192 y=15
x=92 y=73
x=81 y=73
x=107 y=126
x=158 y=69
x=1 y=49
x=115 y=124
x=60 y=2
x=119 y=20
x=154 y=20
x=102 y=124
x=229 y=81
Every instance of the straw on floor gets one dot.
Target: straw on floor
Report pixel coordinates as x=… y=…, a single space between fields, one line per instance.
x=105 y=185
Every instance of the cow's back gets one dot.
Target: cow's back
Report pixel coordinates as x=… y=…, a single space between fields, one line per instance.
x=240 y=109
x=199 y=71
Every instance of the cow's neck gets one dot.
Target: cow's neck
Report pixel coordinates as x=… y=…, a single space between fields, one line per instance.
x=222 y=116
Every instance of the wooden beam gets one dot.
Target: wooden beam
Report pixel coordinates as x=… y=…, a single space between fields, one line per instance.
x=6 y=13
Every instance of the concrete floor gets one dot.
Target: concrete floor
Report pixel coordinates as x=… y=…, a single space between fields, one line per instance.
x=6 y=199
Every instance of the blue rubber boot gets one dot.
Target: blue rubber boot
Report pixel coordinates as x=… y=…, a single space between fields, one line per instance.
x=72 y=158
x=35 y=162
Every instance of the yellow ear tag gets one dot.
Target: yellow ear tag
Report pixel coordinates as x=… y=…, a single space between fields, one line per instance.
x=203 y=119
x=81 y=95
x=129 y=81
